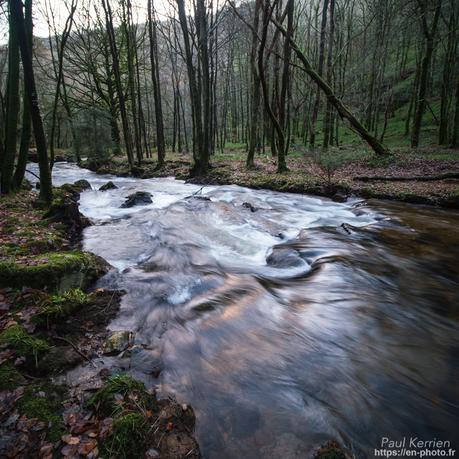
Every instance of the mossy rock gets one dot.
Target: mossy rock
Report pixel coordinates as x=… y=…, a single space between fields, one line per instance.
x=59 y=271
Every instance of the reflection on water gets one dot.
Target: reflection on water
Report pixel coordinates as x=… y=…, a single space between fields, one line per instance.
x=282 y=328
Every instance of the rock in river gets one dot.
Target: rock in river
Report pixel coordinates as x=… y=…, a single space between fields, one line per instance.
x=117 y=342
x=108 y=186
x=82 y=185
x=249 y=206
x=139 y=198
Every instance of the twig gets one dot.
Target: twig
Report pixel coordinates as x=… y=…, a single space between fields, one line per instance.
x=33 y=173
x=198 y=192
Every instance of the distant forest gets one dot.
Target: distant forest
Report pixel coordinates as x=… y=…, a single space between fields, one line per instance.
x=271 y=75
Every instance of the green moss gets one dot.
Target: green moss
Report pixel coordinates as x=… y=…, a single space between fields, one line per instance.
x=55 y=270
x=103 y=400
x=22 y=343
x=45 y=404
x=62 y=305
x=128 y=439
x=10 y=377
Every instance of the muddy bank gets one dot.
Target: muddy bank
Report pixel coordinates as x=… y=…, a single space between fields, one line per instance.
x=52 y=320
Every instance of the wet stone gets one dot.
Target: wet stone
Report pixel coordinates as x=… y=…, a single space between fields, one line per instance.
x=82 y=185
x=249 y=206
x=118 y=342
x=108 y=186
x=139 y=198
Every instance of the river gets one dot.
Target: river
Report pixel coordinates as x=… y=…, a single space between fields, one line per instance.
x=289 y=324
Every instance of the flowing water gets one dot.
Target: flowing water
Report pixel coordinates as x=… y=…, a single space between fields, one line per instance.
x=284 y=328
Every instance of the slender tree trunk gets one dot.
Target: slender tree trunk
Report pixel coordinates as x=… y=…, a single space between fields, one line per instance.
x=320 y=67
x=26 y=120
x=203 y=40
x=328 y=108
x=130 y=43
x=12 y=109
x=112 y=102
x=256 y=92
x=448 y=66
x=161 y=146
x=412 y=104
x=60 y=77
x=425 y=69
x=455 y=134
x=284 y=101
x=200 y=152
x=46 y=192
x=119 y=88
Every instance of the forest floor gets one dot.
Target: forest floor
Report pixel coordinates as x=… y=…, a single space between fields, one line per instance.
x=426 y=175
x=50 y=322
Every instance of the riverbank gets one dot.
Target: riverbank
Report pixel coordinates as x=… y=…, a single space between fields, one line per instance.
x=52 y=320
x=423 y=176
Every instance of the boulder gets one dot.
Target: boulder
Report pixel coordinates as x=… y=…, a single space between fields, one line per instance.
x=59 y=159
x=65 y=209
x=82 y=185
x=117 y=342
x=108 y=186
x=249 y=206
x=139 y=198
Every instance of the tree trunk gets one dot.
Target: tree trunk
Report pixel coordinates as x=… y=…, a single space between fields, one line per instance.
x=46 y=192
x=60 y=76
x=26 y=120
x=12 y=109
x=320 y=67
x=160 y=142
x=448 y=67
x=130 y=43
x=425 y=68
x=328 y=109
x=455 y=134
x=119 y=88
x=256 y=92
x=284 y=100
x=203 y=40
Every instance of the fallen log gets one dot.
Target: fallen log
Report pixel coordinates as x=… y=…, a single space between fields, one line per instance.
x=415 y=178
